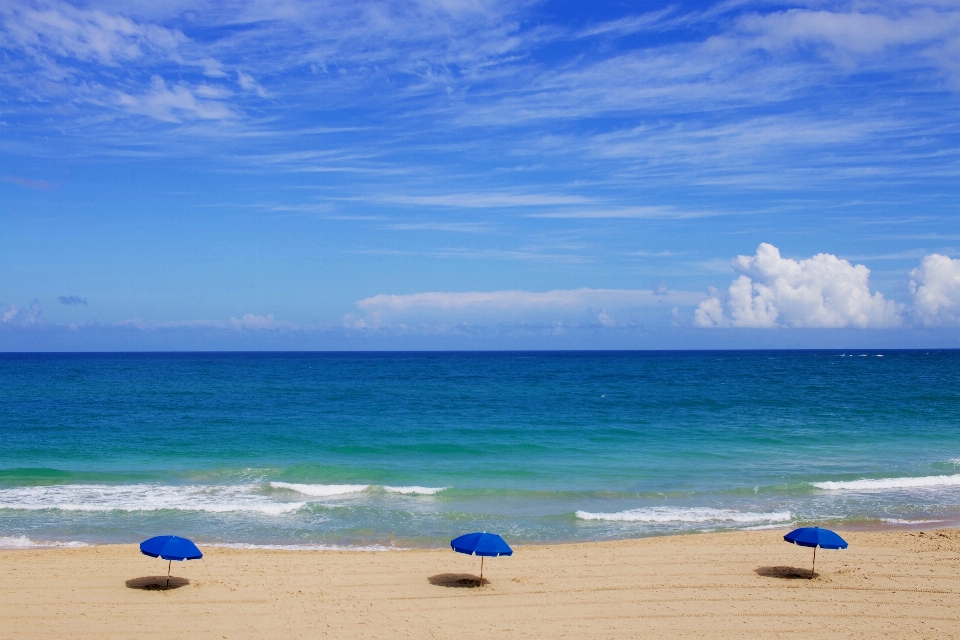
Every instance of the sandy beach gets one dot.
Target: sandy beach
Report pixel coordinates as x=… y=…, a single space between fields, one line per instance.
x=887 y=584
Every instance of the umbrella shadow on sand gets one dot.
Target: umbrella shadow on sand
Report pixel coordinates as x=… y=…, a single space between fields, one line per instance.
x=156 y=583
x=456 y=580
x=784 y=573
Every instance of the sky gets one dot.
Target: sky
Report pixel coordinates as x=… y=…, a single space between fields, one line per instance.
x=472 y=174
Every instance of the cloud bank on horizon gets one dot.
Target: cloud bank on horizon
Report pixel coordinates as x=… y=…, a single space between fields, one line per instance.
x=327 y=173
x=771 y=292
x=821 y=292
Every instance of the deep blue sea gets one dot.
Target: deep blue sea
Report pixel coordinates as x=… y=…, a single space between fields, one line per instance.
x=320 y=450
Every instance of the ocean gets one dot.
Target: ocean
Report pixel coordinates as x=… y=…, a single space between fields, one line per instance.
x=401 y=450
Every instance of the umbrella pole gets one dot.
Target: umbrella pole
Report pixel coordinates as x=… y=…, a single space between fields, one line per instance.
x=481 y=571
x=814 y=562
x=170 y=562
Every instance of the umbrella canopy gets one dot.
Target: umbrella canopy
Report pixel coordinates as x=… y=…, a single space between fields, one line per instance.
x=816 y=537
x=170 y=548
x=481 y=543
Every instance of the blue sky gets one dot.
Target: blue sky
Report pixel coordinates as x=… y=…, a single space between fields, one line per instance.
x=469 y=175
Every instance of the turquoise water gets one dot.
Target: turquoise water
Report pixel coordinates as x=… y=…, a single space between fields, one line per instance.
x=408 y=450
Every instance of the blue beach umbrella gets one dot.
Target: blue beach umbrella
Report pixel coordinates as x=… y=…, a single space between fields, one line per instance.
x=170 y=548
x=483 y=544
x=815 y=537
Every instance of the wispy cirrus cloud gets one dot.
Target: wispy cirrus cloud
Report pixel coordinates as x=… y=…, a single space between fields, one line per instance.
x=247 y=83
x=99 y=57
x=531 y=254
x=178 y=102
x=488 y=200
x=470 y=69
x=732 y=66
x=27 y=182
x=651 y=20
x=856 y=36
x=650 y=213
x=454 y=227
x=64 y=31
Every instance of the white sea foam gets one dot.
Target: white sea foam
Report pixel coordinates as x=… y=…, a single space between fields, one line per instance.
x=154 y=497
x=890 y=484
x=658 y=515
x=302 y=547
x=417 y=491
x=899 y=521
x=328 y=490
x=144 y=497
x=321 y=490
x=23 y=542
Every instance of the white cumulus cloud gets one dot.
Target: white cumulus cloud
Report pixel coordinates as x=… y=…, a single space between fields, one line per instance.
x=935 y=287
x=823 y=291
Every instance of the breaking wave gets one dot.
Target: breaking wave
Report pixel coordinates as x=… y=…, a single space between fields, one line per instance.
x=144 y=497
x=889 y=484
x=415 y=491
x=912 y=522
x=659 y=515
x=251 y=498
x=321 y=490
x=23 y=542
x=301 y=547
x=326 y=490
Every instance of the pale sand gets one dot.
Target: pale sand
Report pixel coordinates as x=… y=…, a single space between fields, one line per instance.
x=731 y=585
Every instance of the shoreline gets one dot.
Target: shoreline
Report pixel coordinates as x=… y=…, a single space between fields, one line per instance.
x=718 y=585
x=932 y=525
